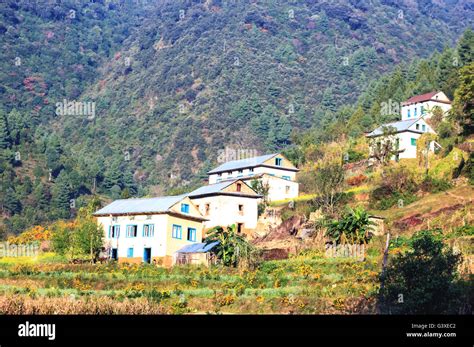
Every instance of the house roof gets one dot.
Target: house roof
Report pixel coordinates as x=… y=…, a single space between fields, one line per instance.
x=198 y=247
x=423 y=97
x=216 y=188
x=142 y=205
x=398 y=126
x=242 y=163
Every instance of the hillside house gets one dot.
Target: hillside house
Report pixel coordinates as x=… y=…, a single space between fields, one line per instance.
x=272 y=169
x=150 y=230
x=403 y=135
x=422 y=105
x=226 y=203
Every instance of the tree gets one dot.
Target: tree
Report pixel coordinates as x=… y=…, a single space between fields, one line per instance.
x=261 y=188
x=61 y=196
x=328 y=185
x=463 y=104
x=232 y=249
x=4 y=133
x=11 y=202
x=384 y=147
x=88 y=234
x=466 y=47
x=422 y=280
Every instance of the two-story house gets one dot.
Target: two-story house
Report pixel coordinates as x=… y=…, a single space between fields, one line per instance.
x=404 y=134
x=150 y=229
x=423 y=105
x=273 y=170
x=226 y=203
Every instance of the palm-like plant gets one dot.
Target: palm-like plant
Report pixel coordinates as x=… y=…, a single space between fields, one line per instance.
x=354 y=227
x=232 y=247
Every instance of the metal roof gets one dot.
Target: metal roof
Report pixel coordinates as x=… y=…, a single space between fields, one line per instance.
x=242 y=163
x=211 y=188
x=142 y=205
x=397 y=127
x=421 y=98
x=198 y=247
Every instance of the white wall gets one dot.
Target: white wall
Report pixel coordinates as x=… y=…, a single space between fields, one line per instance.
x=278 y=188
x=224 y=210
x=157 y=243
x=214 y=178
x=428 y=105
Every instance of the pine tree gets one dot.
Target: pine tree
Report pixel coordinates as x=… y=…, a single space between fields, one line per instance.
x=61 y=195
x=4 y=133
x=466 y=47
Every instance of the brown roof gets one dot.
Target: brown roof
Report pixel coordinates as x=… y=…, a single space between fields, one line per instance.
x=422 y=98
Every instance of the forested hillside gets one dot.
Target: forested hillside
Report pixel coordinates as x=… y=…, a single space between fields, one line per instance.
x=175 y=82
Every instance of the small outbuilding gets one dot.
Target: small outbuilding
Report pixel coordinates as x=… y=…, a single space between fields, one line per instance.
x=196 y=254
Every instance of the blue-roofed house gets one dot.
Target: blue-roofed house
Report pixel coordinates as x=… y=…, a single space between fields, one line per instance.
x=402 y=134
x=150 y=230
x=226 y=203
x=272 y=169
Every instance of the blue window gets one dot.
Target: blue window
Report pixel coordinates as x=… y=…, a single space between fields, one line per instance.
x=114 y=231
x=423 y=127
x=185 y=208
x=131 y=231
x=130 y=253
x=176 y=232
x=409 y=113
x=286 y=177
x=148 y=230
x=192 y=234
x=415 y=112
x=278 y=161
x=413 y=142
x=422 y=109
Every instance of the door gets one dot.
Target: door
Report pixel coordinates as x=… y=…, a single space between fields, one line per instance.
x=147 y=255
x=114 y=254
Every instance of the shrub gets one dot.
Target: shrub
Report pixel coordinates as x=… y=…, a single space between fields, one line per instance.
x=422 y=280
x=356 y=180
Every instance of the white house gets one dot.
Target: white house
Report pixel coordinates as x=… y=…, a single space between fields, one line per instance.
x=150 y=229
x=226 y=203
x=274 y=169
x=422 y=105
x=403 y=134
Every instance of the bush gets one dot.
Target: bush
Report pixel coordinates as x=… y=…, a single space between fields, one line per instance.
x=434 y=185
x=356 y=180
x=422 y=280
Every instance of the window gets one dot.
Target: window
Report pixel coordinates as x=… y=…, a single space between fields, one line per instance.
x=239 y=187
x=287 y=189
x=418 y=127
x=413 y=142
x=130 y=253
x=177 y=232
x=148 y=230
x=278 y=161
x=240 y=226
x=192 y=234
x=422 y=109
x=131 y=231
x=423 y=127
x=414 y=113
x=207 y=209
x=409 y=113
x=114 y=231
x=241 y=208
x=286 y=178
x=185 y=208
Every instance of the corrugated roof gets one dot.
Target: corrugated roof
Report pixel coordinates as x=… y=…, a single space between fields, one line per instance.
x=143 y=205
x=421 y=98
x=211 y=188
x=198 y=247
x=399 y=126
x=242 y=163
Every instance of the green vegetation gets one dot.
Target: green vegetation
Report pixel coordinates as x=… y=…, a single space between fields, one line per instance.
x=415 y=281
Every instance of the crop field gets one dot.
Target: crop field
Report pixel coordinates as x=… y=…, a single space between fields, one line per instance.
x=308 y=283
